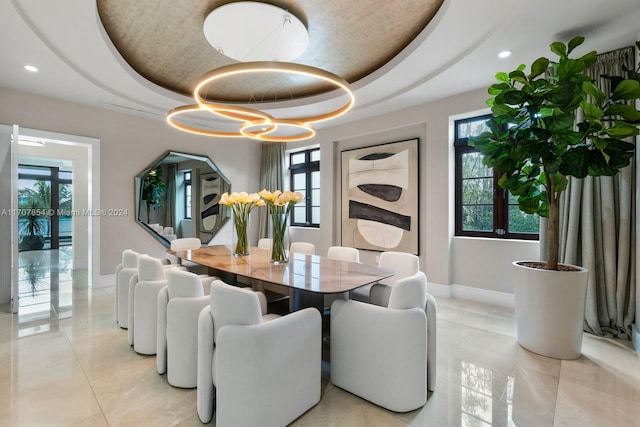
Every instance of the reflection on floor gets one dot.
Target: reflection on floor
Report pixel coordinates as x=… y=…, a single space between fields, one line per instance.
x=45 y=289
x=80 y=371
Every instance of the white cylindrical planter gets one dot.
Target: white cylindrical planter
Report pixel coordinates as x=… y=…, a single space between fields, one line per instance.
x=550 y=309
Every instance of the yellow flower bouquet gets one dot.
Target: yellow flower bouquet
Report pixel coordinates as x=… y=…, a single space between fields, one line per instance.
x=241 y=205
x=280 y=204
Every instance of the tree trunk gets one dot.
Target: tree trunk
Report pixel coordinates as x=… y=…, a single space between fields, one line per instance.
x=553 y=232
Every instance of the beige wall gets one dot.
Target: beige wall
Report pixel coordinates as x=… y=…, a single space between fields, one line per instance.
x=128 y=144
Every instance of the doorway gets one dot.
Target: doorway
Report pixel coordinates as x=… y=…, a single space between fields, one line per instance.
x=45 y=273
x=58 y=176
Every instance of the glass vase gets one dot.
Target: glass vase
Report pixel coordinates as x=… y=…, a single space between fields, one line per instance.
x=279 y=238
x=240 y=239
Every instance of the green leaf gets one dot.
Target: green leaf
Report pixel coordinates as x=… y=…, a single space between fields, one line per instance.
x=592 y=112
x=538 y=67
x=515 y=97
x=543 y=210
x=569 y=68
x=518 y=76
x=594 y=92
x=622 y=130
x=575 y=42
x=498 y=88
x=599 y=164
x=627 y=89
x=575 y=162
x=528 y=205
x=564 y=97
x=558 y=123
x=503 y=77
x=589 y=59
x=567 y=137
x=500 y=110
x=627 y=112
x=600 y=143
x=559 y=49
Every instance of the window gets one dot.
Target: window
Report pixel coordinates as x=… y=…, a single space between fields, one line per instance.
x=304 y=167
x=48 y=190
x=187 y=195
x=483 y=209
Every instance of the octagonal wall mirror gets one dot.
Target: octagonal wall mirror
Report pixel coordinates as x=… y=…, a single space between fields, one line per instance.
x=177 y=196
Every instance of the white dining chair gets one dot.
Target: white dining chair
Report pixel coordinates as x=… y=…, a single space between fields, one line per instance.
x=303 y=248
x=266 y=371
x=186 y=244
x=144 y=287
x=343 y=253
x=402 y=263
x=179 y=305
x=264 y=243
x=387 y=355
x=124 y=272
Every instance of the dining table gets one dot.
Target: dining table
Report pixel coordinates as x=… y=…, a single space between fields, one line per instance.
x=306 y=279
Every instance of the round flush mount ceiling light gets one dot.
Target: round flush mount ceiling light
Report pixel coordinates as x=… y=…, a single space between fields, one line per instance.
x=252 y=31
x=505 y=54
x=30 y=68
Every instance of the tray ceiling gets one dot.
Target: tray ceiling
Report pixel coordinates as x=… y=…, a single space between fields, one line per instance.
x=163 y=41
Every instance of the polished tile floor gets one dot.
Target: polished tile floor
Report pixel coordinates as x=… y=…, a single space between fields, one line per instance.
x=64 y=362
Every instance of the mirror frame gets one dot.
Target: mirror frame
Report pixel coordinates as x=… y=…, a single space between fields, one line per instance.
x=138 y=199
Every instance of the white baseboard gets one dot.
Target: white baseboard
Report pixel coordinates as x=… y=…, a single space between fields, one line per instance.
x=80 y=264
x=105 y=281
x=485 y=296
x=439 y=291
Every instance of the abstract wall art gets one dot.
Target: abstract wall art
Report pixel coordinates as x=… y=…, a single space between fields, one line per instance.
x=210 y=193
x=380 y=197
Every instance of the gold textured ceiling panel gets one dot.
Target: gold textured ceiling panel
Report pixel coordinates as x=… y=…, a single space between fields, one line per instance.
x=163 y=41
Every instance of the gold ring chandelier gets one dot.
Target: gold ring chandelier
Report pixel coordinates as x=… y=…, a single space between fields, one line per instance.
x=280 y=36
x=252 y=117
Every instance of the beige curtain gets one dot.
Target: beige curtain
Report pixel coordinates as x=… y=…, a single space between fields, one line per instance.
x=271 y=178
x=597 y=228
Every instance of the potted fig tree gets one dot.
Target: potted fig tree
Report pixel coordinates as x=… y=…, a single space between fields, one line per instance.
x=548 y=124
x=153 y=188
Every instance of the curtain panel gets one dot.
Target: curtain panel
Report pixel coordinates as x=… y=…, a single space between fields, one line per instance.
x=272 y=169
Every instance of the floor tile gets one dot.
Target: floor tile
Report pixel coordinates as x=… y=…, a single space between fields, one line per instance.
x=605 y=366
x=49 y=396
x=137 y=395
x=579 y=405
x=339 y=408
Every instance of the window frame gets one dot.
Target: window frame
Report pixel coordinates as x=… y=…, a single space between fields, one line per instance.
x=187 y=184
x=54 y=181
x=307 y=168
x=500 y=195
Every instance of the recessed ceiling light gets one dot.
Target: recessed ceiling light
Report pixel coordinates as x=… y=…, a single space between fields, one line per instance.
x=504 y=54
x=30 y=68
